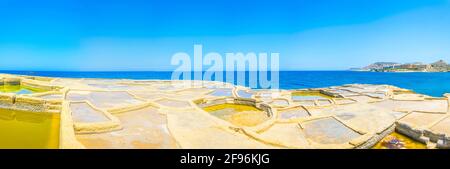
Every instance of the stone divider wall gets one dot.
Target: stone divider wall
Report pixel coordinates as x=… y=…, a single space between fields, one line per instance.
x=27 y=102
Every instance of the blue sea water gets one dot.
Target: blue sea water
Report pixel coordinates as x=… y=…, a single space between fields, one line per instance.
x=434 y=84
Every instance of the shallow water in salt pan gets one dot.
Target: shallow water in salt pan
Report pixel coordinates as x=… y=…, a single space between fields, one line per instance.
x=20 y=129
x=308 y=95
x=407 y=142
x=241 y=115
x=18 y=89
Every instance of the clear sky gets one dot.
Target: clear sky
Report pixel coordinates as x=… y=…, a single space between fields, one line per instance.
x=95 y=35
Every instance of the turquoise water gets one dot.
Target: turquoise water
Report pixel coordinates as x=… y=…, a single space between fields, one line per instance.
x=434 y=84
x=24 y=91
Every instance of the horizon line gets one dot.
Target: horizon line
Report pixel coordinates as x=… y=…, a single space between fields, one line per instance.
x=159 y=70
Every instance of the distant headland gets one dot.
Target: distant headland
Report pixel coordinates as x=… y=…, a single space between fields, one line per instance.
x=438 y=66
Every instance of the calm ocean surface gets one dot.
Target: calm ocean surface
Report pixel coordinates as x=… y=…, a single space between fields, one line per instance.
x=434 y=84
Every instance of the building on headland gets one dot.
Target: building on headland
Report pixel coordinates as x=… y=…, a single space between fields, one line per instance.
x=438 y=66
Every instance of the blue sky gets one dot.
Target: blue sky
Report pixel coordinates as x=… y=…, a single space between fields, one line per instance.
x=86 y=35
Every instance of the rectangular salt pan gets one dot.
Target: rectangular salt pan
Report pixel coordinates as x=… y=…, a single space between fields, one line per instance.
x=329 y=131
x=84 y=113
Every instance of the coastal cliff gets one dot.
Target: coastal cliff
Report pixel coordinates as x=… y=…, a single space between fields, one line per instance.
x=438 y=66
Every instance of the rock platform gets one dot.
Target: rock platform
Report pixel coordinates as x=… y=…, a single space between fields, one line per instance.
x=123 y=113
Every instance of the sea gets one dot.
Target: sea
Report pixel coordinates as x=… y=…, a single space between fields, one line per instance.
x=433 y=84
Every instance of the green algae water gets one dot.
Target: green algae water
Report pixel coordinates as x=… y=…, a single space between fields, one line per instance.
x=18 y=89
x=309 y=95
x=23 y=130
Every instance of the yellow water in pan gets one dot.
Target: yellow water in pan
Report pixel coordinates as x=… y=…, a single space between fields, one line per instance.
x=28 y=130
x=19 y=89
x=241 y=115
x=407 y=142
